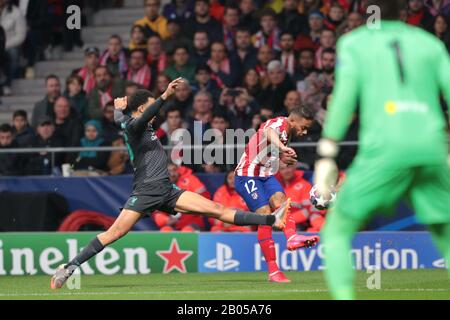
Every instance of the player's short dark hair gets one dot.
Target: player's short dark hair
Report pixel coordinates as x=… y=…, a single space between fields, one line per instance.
x=20 y=113
x=303 y=112
x=4 y=128
x=390 y=9
x=139 y=98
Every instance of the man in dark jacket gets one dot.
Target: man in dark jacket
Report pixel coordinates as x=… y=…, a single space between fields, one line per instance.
x=45 y=106
x=9 y=162
x=41 y=163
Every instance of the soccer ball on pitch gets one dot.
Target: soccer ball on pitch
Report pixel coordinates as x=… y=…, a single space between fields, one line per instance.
x=319 y=201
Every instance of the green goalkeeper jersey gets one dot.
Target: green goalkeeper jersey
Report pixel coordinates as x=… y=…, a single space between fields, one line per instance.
x=396 y=75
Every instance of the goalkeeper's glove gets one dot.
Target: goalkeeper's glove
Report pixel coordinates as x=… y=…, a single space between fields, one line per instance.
x=325 y=169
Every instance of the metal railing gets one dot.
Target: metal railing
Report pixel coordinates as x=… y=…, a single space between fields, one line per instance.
x=168 y=148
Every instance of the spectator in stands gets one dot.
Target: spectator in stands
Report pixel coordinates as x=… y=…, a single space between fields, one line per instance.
x=297 y=188
x=319 y=84
x=279 y=86
x=157 y=59
x=311 y=39
x=203 y=81
x=230 y=24
x=183 y=178
x=269 y=34
x=174 y=121
x=327 y=41
x=138 y=70
x=137 y=39
x=335 y=17
x=203 y=21
x=118 y=162
x=178 y=9
x=227 y=195
x=290 y=20
x=441 y=30
x=305 y=68
x=41 y=163
x=153 y=22
x=14 y=26
x=288 y=56
x=175 y=37
x=180 y=66
x=438 y=7
x=67 y=127
x=92 y=160
x=45 y=106
x=244 y=54
x=223 y=69
x=252 y=83
x=110 y=130
x=131 y=88
x=202 y=111
x=242 y=108
x=182 y=100
x=77 y=97
x=265 y=55
x=114 y=57
x=35 y=15
x=266 y=113
x=162 y=81
x=10 y=163
x=353 y=21
x=91 y=61
x=248 y=18
x=201 y=52
x=106 y=89
x=418 y=15
x=22 y=131
x=292 y=100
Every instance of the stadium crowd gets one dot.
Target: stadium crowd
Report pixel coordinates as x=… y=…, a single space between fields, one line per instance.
x=245 y=61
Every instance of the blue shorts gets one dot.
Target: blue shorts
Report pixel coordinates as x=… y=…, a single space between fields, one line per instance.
x=256 y=191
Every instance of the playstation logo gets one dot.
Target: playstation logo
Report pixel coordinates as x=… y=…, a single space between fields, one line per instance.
x=223 y=260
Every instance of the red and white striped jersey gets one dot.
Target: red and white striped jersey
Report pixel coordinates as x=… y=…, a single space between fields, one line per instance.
x=260 y=159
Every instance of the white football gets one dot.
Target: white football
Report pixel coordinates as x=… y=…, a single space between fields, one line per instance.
x=322 y=202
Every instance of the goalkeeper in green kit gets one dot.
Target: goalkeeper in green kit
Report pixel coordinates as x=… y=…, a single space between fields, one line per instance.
x=396 y=73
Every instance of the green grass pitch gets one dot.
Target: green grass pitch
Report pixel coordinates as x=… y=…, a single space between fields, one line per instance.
x=397 y=284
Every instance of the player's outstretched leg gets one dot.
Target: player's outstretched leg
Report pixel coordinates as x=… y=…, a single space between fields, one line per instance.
x=337 y=235
x=294 y=241
x=441 y=237
x=190 y=202
x=123 y=224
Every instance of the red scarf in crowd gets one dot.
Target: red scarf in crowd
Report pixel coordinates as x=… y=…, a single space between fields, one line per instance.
x=105 y=96
x=272 y=40
x=288 y=62
x=88 y=78
x=161 y=62
x=143 y=76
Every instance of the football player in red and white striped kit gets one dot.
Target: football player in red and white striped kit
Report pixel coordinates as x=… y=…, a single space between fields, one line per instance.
x=256 y=183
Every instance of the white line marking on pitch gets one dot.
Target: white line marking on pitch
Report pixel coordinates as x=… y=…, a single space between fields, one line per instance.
x=207 y=292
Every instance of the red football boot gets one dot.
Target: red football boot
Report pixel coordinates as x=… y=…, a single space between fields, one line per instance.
x=300 y=241
x=278 y=276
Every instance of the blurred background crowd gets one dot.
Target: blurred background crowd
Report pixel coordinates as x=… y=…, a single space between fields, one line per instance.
x=245 y=61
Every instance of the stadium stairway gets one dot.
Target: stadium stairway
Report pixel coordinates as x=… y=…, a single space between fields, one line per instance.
x=104 y=23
